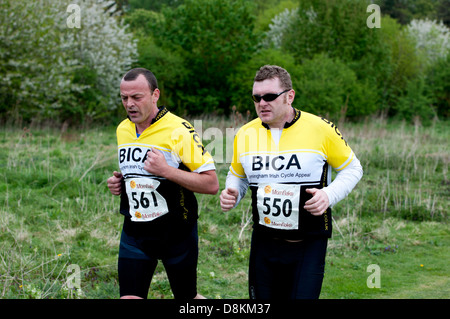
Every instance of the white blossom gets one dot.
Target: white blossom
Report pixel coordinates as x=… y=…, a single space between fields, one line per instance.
x=40 y=55
x=432 y=38
x=280 y=24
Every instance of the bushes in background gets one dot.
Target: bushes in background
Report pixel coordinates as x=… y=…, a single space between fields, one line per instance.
x=205 y=54
x=52 y=71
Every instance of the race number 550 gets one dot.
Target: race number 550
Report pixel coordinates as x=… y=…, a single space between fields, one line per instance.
x=276 y=207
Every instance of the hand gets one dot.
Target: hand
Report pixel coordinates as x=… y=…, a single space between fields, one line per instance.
x=114 y=183
x=228 y=198
x=319 y=203
x=156 y=163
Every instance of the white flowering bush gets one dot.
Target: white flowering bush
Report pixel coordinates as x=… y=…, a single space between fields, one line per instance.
x=283 y=23
x=280 y=24
x=51 y=69
x=432 y=38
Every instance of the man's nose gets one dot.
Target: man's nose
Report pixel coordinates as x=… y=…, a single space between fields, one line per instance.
x=130 y=102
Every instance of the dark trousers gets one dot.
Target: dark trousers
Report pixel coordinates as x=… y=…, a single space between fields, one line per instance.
x=286 y=270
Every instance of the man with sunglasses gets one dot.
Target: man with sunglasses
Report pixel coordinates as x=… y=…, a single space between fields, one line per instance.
x=285 y=156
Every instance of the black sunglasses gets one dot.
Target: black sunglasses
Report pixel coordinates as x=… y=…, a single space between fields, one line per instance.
x=267 y=97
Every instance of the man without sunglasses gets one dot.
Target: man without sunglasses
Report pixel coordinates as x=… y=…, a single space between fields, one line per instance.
x=162 y=164
x=285 y=156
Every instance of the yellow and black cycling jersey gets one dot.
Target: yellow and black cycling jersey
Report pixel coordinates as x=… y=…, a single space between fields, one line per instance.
x=152 y=199
x=280 y=165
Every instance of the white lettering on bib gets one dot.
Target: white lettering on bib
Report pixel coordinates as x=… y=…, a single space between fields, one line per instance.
x=278 y=205
x=146 y=204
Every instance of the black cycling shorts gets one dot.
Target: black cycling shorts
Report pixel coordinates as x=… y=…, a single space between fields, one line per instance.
x=138 y=258
x=286 y=270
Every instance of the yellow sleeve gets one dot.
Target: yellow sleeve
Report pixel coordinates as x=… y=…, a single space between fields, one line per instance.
x=338 y=151
x=190 y=150
x=236 y=167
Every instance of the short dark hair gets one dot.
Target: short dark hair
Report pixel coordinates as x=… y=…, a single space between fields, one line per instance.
x=274 y=71
x=134 y=73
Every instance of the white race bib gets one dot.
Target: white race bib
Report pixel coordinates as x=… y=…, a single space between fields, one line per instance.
x=146 y=204
x=278 y=205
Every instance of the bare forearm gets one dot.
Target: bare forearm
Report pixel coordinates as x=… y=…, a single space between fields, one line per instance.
x=204 y=182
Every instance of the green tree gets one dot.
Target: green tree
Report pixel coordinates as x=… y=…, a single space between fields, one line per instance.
x=213 y=36
x=338 y=29
x=403 y=61
x=427 y=94
x=168 y=65
x=328 y=87
x=270 y=10
x=443 y=12
x=438 y=81
x=152 y=5
x=406 y=10
x=415 y=102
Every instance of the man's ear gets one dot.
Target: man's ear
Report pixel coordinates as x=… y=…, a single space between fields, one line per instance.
x=291 y=96
x=156 y=93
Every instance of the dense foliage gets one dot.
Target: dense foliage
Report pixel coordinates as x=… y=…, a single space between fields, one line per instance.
x=51 y=69
x=205 y=54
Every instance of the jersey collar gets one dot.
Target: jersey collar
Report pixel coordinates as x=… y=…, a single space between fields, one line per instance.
x=162 y=111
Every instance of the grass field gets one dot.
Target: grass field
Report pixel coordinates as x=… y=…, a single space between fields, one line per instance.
x=57 y=216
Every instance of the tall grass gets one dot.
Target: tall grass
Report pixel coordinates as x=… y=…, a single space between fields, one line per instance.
x=56 y=211
x=405 y=168
x=54 y=208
